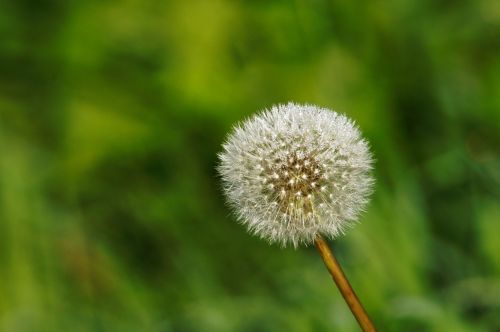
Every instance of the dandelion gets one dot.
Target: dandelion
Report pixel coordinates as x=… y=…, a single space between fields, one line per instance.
x=296 y=173
x=279 y=166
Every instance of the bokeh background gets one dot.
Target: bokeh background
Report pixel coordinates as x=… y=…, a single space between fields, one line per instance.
x=111 y=116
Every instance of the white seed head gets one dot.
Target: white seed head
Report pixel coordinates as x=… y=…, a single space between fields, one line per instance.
x=316 y=171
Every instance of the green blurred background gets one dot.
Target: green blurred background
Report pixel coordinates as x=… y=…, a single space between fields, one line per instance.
x=111 y=116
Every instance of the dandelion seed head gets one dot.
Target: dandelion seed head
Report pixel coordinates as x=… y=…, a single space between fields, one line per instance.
x=296 y=171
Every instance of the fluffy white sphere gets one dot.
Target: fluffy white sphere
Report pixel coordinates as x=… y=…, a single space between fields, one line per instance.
x=296 y=171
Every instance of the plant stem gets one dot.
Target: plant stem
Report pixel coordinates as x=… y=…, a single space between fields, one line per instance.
x=343 y=285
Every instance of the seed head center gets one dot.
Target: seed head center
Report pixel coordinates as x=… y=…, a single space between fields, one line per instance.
x=293 y=181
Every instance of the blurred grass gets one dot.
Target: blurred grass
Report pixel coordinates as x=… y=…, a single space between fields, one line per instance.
x=111 y=115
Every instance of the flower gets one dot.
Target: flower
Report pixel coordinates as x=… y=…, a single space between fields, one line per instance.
x=296 y=171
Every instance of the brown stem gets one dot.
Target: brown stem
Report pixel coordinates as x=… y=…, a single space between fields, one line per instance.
x=343 y=284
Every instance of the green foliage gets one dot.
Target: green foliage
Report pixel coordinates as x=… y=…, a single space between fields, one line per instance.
x=111 y=116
